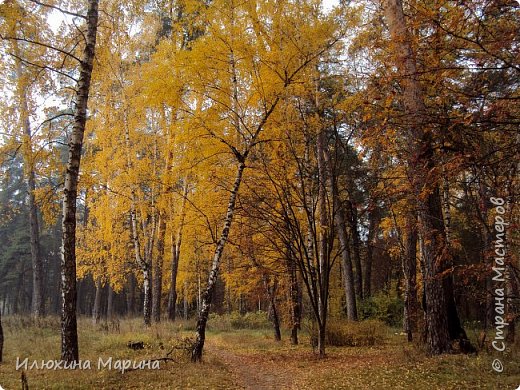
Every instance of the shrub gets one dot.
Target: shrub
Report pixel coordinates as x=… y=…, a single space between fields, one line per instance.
x=356 y=334
x=383 y=307
x=235 y=320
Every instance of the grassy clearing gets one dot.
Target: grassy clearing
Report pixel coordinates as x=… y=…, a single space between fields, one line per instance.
x=390 y=364
x=242 y=358
x=42 y=342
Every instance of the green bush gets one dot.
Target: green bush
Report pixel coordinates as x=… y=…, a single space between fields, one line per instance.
x=235 y=320
x=383 y=307
x=355 y=334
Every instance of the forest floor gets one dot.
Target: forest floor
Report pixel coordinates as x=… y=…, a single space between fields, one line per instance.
x=238 y=359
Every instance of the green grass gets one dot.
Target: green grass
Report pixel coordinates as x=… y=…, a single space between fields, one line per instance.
x=238 y=358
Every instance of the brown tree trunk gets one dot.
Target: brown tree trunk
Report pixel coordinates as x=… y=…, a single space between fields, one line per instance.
x=172 y=296
x=294 y=296
x=69 y=332
x=433 y=249
x=323 y=242
x=410 y=276
x=440 y=309
x=271 y=289
x=110 y=302
x=207 y=296
x=96 y=310
x=1 y=338
x=374 y=218
x=356 y=251
x=176 y=253
x=130 y=295
x=37 y=304
x=341 y=227
x=185 y=301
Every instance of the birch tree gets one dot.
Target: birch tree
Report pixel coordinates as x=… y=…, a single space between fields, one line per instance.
x=247 y=74
x=69 y=333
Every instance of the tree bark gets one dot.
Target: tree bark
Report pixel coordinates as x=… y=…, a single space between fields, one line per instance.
x=1 y=338
x=341 y=228
x=176 y=253
x=38 y=303
x=207 y=296
x=130 y=295
x=323 y=242
x=410 y=276
x=294 y=296
x=374 y=219
x=440 y=308
x=273 y=311
x=172 y=296
x=110 y=302
x=185 y=301
x=96 y=311
x=69 y=333
x=158 y=271
x=356 y=251
x=143 y=260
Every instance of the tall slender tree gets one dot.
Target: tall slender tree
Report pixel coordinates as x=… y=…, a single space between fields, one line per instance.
x=69 y=332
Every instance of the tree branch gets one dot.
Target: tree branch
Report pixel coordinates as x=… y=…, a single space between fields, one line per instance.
x=69 y=54
x=59 y=9
x=44 y=67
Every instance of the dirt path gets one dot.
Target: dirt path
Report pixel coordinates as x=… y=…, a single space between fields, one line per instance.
x=253 y=373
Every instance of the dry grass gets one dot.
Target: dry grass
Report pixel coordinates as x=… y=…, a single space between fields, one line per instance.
x=41 y=341
x=240 y=359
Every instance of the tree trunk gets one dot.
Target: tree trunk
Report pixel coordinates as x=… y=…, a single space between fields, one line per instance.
x=273 y=312
x=110 y=302
x=176 y=253
x=143 y=265
x=69 y=333
x=172 y=296
x=158 y=271
x=341 y=228
x=96 y=311
x=143 y=261
x=294 y=295
x=374 y=219
x=185 y=301
x=323 y=242
x=1 y=338
x=440 y=308
x=410 y=276
x=207 y=296
x=130 y=295
x=432 y=248
x=321 y=339
x=38 y=303
x=147 y=292
x=356 y=251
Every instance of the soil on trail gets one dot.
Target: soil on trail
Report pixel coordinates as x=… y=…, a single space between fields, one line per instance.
x=253 y=372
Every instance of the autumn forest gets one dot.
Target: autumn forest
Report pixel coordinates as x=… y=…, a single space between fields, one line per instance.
x=217 y=185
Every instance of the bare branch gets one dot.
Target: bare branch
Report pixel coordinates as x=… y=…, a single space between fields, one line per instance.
x=44 y=67
x=69 y=54
x=59 y=9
